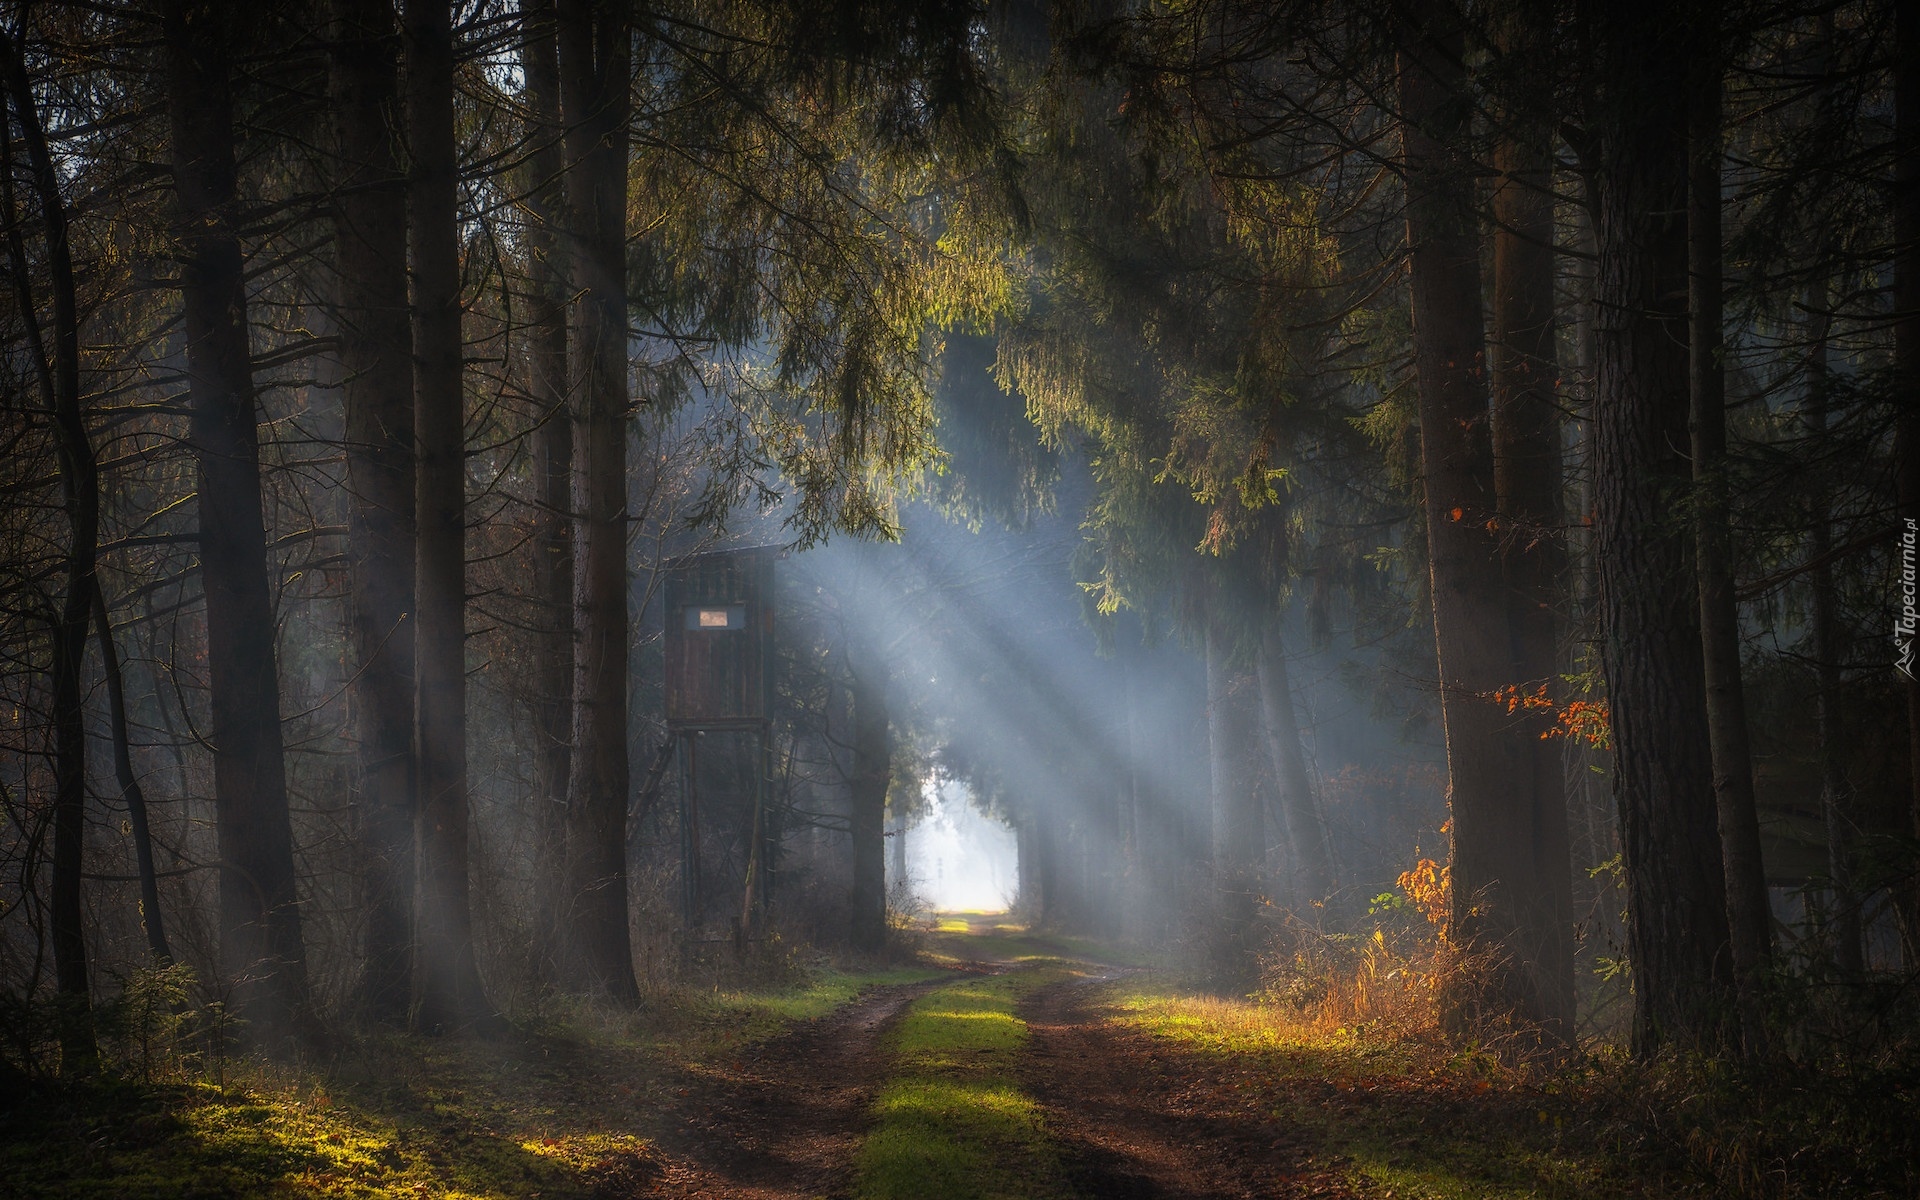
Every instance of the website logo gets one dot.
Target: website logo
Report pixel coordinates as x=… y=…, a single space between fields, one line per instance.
x=1909 y=618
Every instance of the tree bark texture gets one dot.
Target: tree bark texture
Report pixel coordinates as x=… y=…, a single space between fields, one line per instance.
x=376 y=358
x=1239 y=833
x=552 y=682
x=595 y=67
x=58 y=368
x=896 y=848
x=1239 y=846
x=1497 y=886
x=1678 y=937
x=152 y=923
x=1299 y=810
x=1052 y=904
x=263 y=954
x=1133 y=785
x=872 y=775
x=1749 y=920
x=1824 y=619
x=446 y=979
x=1031 y=901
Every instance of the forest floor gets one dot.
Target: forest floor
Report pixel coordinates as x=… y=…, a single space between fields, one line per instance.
x=1004 y=1065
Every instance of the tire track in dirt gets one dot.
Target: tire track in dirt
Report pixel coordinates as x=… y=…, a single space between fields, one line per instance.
x=1137 y=1120
x=784 y=1119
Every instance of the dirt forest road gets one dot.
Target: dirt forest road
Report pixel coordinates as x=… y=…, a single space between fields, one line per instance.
x=1124 y=1119
x=783 y=1121
x=1135 y=1122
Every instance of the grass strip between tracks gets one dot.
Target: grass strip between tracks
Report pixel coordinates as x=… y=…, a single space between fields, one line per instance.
x=952 y=1120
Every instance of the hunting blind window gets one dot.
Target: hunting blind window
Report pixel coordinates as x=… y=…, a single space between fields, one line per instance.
x=719 y=649
x=733 y=616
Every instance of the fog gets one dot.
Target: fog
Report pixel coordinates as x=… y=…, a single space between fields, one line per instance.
x=1024 y=723
x=958 y=859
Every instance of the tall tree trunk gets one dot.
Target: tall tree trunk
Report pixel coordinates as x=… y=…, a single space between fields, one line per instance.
x=1496 y=881
x=58 y=369
x=55 y=392
x=595 y=67
x=152 y=924
x=447 y=989
x=552 y=684
x=376 y=357
x=73 y=1005
x=872 y=775
x=1527 y=480
x=1649 y=604
x=1312 y=874
x=263 y=953
x=1749 y=919
x=1027 y=851
x=1906 y=376
x=896 y=847
x=1051 y=912
x=1835 y=791
x=1133 y=786
x=1599 y=898
x=1239 y=833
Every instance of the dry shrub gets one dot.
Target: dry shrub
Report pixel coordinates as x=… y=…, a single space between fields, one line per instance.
x=1388 y=975
x=1385 y=980
x=1398 y=974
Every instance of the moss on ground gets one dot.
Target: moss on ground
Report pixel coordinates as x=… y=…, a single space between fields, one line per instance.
x=952 y=1123
x=551 y=1112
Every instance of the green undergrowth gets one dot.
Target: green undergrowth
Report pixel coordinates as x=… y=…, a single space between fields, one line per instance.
x=952 y=1122
x=557 y=1109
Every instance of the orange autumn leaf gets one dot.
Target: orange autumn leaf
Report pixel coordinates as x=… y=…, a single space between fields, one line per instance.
x=1430 y=887
x=1588 y=720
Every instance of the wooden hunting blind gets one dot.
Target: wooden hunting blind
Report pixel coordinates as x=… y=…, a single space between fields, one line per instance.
x=719 y=639
x=719 y=679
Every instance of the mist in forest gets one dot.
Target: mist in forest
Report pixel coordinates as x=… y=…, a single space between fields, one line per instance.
x=958 y=858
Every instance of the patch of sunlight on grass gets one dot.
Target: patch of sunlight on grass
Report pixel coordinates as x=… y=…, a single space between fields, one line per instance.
x=989 y=1105
x=1214 y=1024
x=582 y=1150
x=985 y=1007
x=952 y=1123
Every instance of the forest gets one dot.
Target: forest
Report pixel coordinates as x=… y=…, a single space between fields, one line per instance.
x=960 y=599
